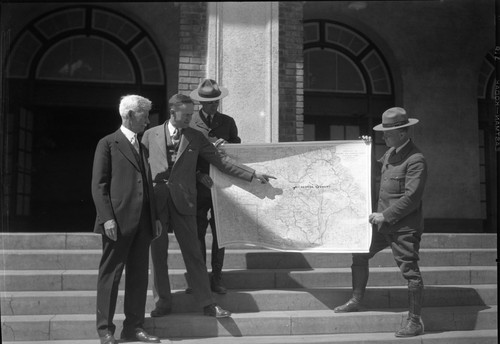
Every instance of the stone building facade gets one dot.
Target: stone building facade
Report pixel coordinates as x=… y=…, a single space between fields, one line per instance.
x=296 y=71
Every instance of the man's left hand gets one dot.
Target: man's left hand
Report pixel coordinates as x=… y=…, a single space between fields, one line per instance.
x=204 y=179
x=376 y=218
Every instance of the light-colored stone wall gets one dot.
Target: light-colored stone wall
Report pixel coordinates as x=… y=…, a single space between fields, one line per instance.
x=434 y=49
x=243 y=54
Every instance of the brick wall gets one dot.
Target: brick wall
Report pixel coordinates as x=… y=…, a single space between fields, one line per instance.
x=193 y=45
x=193 y=52
x=291 y=72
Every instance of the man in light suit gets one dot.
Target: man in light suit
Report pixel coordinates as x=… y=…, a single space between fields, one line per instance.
x=174 y=150
x=398 y=222
x=126 y=217
x=218 y=128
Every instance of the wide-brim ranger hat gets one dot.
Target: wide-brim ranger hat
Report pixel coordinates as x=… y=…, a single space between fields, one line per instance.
x=209 y=91
x=395 y=118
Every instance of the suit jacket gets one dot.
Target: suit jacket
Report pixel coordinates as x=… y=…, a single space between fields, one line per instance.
x=181 y=177
x=117 y=184
x=223 y=127
x=401 y=189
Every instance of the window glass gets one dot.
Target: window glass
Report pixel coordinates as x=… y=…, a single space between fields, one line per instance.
x=86 y=59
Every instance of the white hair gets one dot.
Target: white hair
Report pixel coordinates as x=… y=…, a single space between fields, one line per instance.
x=133 y=103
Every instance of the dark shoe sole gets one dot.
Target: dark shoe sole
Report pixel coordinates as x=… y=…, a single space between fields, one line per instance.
x=220 y=292
x=218 y=316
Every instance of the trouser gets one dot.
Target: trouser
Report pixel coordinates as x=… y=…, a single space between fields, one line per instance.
x=204 y=204
x=161 y=283
x=131 y=252
x=184 y=228
x=405 y=248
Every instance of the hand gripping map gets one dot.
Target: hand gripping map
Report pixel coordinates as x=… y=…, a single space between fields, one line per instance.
x=319 y=202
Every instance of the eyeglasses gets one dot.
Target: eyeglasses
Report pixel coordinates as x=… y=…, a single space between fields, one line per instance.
x=210 y=103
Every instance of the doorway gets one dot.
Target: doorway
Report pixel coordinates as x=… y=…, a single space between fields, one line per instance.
x=64 y=141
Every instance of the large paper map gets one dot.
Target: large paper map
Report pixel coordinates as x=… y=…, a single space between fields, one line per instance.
x=319 y=202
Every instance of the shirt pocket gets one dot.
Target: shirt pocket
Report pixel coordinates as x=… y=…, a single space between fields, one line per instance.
x=396 y=183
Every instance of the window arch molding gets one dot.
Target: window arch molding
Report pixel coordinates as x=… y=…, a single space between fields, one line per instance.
x=370 y=62
x=486 y=79
x=47 y=30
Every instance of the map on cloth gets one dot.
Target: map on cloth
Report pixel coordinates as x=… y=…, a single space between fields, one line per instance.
x=319 y=202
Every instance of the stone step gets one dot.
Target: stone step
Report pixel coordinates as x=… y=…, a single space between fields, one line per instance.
x=76 y=302
x=45 y=280
x=245 y=259
x=15 y=241
x=275 y=323
x=441 y=337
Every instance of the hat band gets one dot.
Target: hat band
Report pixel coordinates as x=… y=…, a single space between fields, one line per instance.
x=213 y=94
x=395 y=124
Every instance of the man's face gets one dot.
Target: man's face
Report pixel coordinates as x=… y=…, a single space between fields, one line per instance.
x=181 y=116
x=394 y=138
x=139 y=120
x=210 y=107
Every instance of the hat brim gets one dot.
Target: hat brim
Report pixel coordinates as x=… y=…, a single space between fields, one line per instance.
x=195 y=96
x=411 y=121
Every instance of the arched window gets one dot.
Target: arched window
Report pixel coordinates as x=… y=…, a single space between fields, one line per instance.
x=347 y=83
x=81 y=58
x=65 y=73
x=488 y=164
x=332 y=50
x=332 y=71
x=86 y=44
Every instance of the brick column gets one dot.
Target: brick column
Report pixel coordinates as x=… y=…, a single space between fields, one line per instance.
x=193 y=45
x=291 y=71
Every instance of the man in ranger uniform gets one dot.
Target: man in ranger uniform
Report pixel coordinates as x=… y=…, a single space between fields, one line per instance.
x=398 y=222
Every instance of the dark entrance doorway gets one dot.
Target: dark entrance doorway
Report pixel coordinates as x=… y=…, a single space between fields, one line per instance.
x=64 y=140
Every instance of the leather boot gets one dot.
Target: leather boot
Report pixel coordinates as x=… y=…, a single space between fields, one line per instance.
x=359 y=281
x=414 y=325
x=216 y=283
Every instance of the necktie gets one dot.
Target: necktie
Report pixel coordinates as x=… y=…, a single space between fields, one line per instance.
x=209 y=121
x=176 y=134
x=135 y=143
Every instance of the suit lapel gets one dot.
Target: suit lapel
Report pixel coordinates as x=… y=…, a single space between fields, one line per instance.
x=182 y=144
x=161 y=137
x=125 y=147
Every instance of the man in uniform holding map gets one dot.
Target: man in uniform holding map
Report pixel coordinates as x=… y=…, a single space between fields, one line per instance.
x=398 y=222
x=218 y=128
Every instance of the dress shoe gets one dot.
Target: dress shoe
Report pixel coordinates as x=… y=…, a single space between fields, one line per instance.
x=139 y=335
x=216 y=284
x=160 y=312
x=189 y=290
x=353 y=305
x=214 y=310
x=108 y=339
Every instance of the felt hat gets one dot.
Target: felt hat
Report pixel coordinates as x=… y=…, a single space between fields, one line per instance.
x=395 y=118
x=209 y=91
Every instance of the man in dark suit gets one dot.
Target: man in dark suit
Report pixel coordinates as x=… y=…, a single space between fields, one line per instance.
x=218 y=128
x=126 y=217
x=398 y=222
x=174 y=150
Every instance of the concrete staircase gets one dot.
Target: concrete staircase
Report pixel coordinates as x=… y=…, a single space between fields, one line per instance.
x=49 y=280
